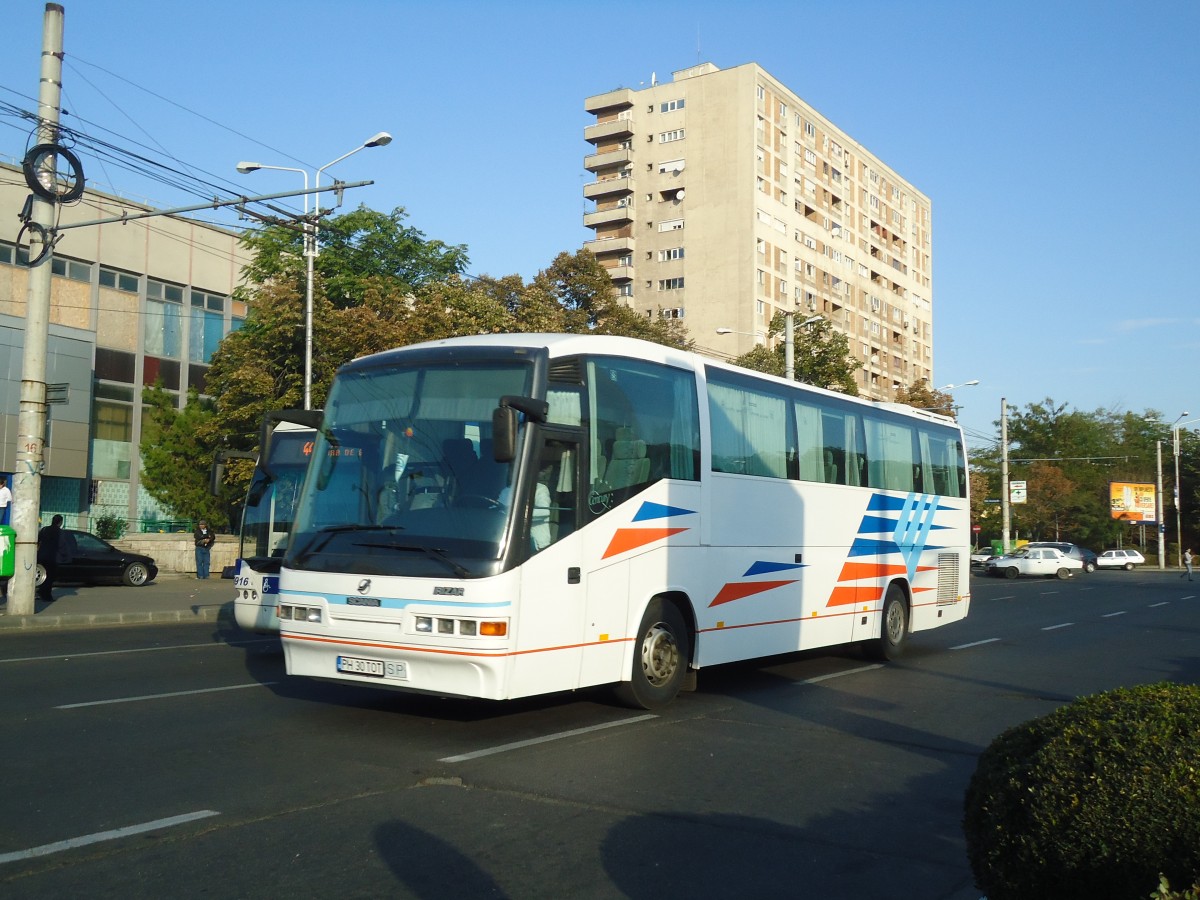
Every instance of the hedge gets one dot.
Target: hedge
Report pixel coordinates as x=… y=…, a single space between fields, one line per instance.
x=1095 y=800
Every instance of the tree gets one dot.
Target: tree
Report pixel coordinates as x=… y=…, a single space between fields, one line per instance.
x=355 y=247
x=922 y=396
x=379 y=285
x=822 y=356
x=177 y=456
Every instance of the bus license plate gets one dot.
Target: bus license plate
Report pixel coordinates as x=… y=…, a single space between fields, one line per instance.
x=374 y=668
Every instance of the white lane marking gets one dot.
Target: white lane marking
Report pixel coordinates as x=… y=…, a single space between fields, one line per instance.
x=1049 y=593
x=232 y=687
x=840 y=674
x=59 y=846
x=1009 y=597
x=1063 y=625
x=1163 y=603
x=975 y=644
x=1188 y=597
x=517 y=745
x=68 y=656
x=1110 y=615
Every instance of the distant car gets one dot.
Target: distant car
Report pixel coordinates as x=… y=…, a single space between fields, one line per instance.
x=96 y=561
x=1083 y=554
x=980 y=557
x=1044 y=561
x=1120 y=559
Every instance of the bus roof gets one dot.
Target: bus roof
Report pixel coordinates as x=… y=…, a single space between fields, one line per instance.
x=560 y=345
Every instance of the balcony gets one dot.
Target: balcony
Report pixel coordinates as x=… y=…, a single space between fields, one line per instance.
x=619 y=213
x=621 y=98
x=604 y=160
x=613 y=186
x=620 y=273
x=607 y=246
x=614 y=128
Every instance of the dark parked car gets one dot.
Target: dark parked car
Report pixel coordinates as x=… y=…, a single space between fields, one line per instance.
x=1083 y=554
x=99 y=562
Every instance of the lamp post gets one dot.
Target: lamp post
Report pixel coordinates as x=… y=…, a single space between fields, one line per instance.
x=789 y=343
x=312 y=243
x=950 y=387
x=1175 y=426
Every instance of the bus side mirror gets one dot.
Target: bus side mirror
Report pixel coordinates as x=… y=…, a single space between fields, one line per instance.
x=504 y=423
x=504 y=434
x=309 y=418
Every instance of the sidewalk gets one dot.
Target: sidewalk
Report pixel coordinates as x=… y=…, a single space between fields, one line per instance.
x=169 y=598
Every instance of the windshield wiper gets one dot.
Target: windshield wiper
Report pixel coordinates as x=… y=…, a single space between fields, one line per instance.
x=322 y=537
x=431 y=552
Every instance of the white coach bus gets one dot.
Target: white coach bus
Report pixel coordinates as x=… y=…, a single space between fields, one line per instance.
x=267 y=514
x=507 y=515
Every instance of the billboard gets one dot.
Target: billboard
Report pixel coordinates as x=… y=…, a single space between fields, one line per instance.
x=1132 y=502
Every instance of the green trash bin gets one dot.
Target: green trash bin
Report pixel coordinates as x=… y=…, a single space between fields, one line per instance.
x=8 y=551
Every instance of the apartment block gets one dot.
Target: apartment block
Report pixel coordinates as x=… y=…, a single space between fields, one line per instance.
x=132 y=304
x=721 y=198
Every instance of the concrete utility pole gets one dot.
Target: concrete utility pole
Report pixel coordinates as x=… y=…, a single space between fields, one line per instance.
x=31 y=420
x=1158 y=513
x=1005 y=508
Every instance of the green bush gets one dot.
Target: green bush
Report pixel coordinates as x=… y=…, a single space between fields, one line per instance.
x=1165 y=892
x=110 y=527
x=1094 y=800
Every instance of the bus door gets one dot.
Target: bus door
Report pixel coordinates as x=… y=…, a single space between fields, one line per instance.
x=553 y=577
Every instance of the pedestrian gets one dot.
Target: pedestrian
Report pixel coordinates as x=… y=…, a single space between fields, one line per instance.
x=1187 y=563
x=49 y=539
x=204 y=539
x=5 y=500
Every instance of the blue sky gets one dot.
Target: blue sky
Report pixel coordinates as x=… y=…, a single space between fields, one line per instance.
x=1057 y=142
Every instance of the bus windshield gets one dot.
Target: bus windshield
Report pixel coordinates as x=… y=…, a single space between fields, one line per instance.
x=405 y=481
x=271 y=502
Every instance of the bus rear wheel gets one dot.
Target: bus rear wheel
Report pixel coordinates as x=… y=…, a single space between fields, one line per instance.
x=660 y=659
x=893 y=629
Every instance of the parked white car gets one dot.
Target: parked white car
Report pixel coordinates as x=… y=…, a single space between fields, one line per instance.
x=980 y=557
x=1120 y=559
x=1044 y=561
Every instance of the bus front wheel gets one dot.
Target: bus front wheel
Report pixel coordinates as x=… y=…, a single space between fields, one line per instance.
x=893 y=629
x=660 y=659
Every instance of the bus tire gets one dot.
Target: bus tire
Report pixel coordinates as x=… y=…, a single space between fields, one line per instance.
x=893 y=626
x=660 y=658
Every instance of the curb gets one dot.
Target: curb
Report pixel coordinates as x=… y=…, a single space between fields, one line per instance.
x=43 y=622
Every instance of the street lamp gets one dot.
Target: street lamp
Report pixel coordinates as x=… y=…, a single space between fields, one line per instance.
x=789 y=342
x=312 y=242
x=950 y=387
x=1175 y=426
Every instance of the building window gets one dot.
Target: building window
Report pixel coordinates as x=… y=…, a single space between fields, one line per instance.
x=162 y=327
x=762 y=92
x=671 y=104
x=667 y=137
x=670 y=284
x=112 y=431
x=71 y=268
x=810 y=129
x=674 y=313
x=671 y=225
x=671 y=166
x=121 y=281
x=625 y=290
x=673 y=253
x=208 y=326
